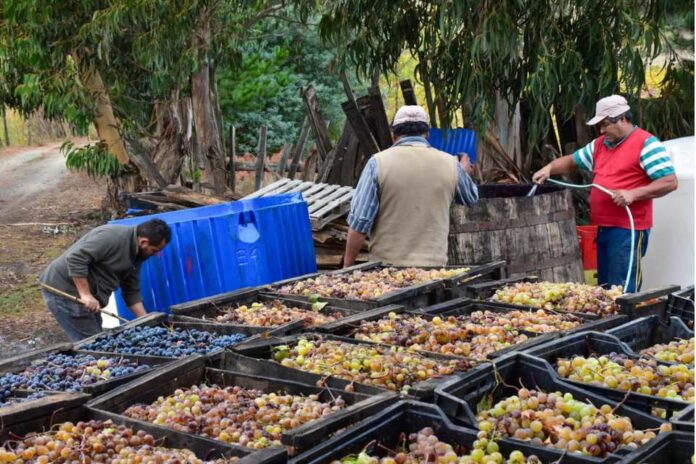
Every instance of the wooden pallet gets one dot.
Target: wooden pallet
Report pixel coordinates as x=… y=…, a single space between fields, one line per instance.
x=325 y=202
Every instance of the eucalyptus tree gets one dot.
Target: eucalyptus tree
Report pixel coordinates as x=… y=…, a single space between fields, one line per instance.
x=473 y=53
x=141 y=71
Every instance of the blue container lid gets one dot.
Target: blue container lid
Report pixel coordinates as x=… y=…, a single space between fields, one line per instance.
x=222 y=209
x=454 y=141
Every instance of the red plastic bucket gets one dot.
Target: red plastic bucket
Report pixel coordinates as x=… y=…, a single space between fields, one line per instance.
x=587 y=236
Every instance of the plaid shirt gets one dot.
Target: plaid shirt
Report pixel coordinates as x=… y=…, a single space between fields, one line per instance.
x=365 y=204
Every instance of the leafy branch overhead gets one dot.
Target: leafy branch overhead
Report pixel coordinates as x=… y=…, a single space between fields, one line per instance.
x=94 y=159
x=543 y=52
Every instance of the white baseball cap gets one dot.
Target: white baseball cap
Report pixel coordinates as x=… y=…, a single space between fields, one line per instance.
x=609 y=107
x=410 y=113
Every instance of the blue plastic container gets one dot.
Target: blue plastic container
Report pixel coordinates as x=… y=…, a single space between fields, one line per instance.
x=220 y=248
x=455 y=141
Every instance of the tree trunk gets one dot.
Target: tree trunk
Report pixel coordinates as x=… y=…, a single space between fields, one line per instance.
x=4 y=126
x=428 y=94
x=507 y=128
x=209 y=133
x=168 y=154
x=113 y=203
x=104 y=119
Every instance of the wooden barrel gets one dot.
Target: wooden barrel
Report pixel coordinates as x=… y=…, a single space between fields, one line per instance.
x=535 y=235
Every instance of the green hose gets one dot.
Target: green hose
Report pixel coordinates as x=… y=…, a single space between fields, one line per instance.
x=628 y=211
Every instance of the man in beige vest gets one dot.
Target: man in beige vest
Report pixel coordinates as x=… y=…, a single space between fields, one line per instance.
x=403 y=198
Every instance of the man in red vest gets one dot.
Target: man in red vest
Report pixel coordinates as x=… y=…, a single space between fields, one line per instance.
x=636 y=167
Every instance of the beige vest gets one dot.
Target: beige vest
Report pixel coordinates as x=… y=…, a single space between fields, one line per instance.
x=416 y=188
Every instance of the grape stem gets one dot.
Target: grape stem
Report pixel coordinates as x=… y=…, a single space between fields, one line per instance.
x=565 y=451
x=621 y=403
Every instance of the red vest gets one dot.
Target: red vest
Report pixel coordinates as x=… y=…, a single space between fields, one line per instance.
x=619 y=169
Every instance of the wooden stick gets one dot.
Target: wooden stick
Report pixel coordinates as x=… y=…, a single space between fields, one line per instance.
x=68 y=296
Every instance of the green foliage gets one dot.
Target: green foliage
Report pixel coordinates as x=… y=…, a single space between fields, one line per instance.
x=672 y=114
x=279 y=57
x=144 y=50
x=545 y=52
x=94 y=159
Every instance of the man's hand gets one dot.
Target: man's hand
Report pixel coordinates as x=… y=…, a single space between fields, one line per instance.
x=542 y=174
x=138 y=309
x=465 y=161
x=91 y=303
x=624 y=197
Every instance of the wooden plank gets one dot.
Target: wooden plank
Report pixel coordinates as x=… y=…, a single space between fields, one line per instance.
x=348 y=176
x=331 y=211
x=285 y=188
x=357 y=121
x=321 y=203
x=320 y=193
x=316 y=122
x=382 y=128
x=260 y=158
x=334 y=177
x=303 y=187
x=233 y=156
x=312 y=190
x=408 y=93
x=310 y=164
x=299 y=148
x=268 y=188
x=284 y=155
x=368 y=144
x=147 y=167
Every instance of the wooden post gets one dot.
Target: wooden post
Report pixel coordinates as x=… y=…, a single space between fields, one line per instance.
x=362 y=131
x=5 y=128
x=319 y=127
x=260 y=158
x=233 y=155
x=4 y=125
x=334 y=162
x=357 y=120
x=284 y=155
x=29 y=141
x=407 y=91
x=299 y=148
x=372 y=107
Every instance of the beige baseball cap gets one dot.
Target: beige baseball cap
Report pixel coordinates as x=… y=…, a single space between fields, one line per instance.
x=609 y=107
x=410 y=113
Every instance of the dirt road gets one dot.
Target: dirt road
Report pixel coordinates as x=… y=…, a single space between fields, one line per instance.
x=43 y=209
x=26 y=174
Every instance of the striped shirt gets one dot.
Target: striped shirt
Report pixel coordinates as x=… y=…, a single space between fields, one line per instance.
x=365 y=204
x=654 y=158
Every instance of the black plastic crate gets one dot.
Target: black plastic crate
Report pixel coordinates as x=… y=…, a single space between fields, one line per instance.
x=595 y=343
x=19 y=363
x=646 y=303
x=164 y=320
x=669 y=448
x=260 y=356
x=206 y=309
x=413 y=297
x=17 y=415
x=591 y=322
x=460 y=397
x=681 y=304
x=485 y=289
x=645 y=332
x=633 y=305
x=396 y=422
x=457 y=307
x=58 y=410
x=684 y=421
x=197 y=370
